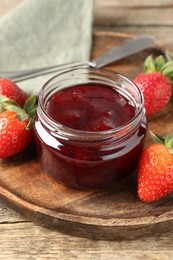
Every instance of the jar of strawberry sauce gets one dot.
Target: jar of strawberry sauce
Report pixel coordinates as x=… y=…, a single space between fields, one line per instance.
x=90 y=127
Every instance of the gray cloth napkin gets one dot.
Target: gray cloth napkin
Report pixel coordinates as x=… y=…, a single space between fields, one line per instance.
x=40 y=33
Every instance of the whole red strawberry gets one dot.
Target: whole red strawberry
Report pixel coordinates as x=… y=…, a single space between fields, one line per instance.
x=9 y=89
x=155 y=83
x=155 y=172
x=15 y=125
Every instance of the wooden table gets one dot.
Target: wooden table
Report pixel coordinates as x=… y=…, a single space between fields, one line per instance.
x=21 y=239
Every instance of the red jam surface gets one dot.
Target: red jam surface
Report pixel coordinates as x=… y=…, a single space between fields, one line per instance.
x=92 y=165
x=90 y=108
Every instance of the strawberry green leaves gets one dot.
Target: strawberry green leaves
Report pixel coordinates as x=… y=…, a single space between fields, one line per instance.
x=149 y=64
x=30 y=105
x=27 y=112
x=166 y=140
x=157 y=138
x=159 y=64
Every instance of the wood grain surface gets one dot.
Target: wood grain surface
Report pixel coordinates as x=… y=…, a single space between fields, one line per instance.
x=21 y=239
x=136 y=17
x=144 y=12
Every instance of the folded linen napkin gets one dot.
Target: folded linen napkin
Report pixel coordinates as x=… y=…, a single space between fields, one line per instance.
x=40 y=33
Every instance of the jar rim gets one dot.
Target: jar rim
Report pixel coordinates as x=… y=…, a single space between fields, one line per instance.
x=59 y=129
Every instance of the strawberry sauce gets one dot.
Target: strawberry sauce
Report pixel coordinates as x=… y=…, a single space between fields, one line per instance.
x=86 y=134
x=90 y=108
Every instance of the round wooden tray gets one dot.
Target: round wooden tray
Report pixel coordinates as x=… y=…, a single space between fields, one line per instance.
x=116 y=213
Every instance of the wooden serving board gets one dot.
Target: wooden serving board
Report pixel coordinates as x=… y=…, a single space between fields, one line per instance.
x=116 y=213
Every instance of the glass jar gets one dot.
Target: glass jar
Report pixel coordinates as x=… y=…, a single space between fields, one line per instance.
x=89 y=159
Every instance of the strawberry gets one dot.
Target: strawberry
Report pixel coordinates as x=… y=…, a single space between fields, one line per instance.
x=9 y=89
x=156 y=83
x=15 y=125
x=155 y=172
